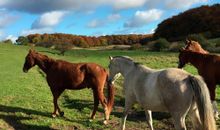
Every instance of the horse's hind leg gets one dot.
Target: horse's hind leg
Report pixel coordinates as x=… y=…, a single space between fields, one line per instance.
x=96 y=103
x=179 y=121
x=194 y=114
x=149 y=119
x=103 y=101
x=57 y=111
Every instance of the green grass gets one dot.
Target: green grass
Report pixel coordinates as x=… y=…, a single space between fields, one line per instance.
x=26 y=100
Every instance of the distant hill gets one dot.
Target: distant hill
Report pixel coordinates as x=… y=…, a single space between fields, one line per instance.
x=204 y=19
x=48 y=40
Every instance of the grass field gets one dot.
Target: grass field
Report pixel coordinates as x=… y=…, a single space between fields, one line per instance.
x=26 y=100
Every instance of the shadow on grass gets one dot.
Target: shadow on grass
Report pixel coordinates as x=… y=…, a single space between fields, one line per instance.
x=15 y=121
x=118 y=108
x=79 y=105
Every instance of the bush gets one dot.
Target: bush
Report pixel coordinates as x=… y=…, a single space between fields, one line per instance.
x=135 y=46
x=175 y=46
x=161 y=44
x=8 y=41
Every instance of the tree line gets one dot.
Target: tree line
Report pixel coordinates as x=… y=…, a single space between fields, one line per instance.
x=49 y=40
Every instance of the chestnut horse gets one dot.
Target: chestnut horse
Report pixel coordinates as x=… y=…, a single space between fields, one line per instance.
x=61 y=75
x=207 y=66
x=194 y=46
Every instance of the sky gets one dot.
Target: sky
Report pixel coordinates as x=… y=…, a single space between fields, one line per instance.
x=88 y=17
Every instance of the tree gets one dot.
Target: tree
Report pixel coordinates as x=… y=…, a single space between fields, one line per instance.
x=22 y=40
x=161 y=44
x=63 y=47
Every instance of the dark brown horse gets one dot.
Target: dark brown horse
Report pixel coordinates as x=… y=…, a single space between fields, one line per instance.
x=194 y=46
x=207 y=66
x=61 y=75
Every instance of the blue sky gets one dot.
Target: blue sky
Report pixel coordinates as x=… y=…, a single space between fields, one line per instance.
x=88 y=17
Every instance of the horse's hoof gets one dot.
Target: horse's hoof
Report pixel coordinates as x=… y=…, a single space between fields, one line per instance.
x=54 y=115
x=216 y=117
x=61 y=113
x=105 y=122
x=92 y=117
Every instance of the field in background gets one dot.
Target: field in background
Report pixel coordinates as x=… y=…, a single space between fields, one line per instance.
x=26 y=101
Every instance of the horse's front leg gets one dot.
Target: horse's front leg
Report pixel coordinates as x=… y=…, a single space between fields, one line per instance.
x=212 y=87
x=148 y=114
x=129 y=102
x=57 y=111
x=96 y=103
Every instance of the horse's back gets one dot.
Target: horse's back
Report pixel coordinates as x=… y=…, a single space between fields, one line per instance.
x=75 y=75
x=173 y=74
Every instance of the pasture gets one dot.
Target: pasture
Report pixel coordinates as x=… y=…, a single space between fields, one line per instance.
x=26 y=100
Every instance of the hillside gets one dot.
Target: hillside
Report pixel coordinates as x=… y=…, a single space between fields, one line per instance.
x=204 y=19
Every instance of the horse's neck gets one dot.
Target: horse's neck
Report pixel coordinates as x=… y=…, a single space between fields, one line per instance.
x=126 y=68
x=195 y=59
x=43 y=62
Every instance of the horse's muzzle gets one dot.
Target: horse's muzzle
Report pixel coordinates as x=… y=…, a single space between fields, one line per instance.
x=180 y=65
x=109 y=81
x=25 y=70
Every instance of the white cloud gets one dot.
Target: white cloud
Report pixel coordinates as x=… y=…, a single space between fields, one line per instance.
x=12 y=38
x=176 y=4
x=142 y=18
x=102 y=22
x=42 y=6
x=113 y=17
x=125 y=4
x=6 y=18
x=152 y=31
x=33 y=31
x=49 y=19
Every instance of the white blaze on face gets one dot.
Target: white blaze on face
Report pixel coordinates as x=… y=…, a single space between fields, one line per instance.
x=115 y=77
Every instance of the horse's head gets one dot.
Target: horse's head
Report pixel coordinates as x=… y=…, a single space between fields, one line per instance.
x=114 y=70
x=29 y=61
x=194 y=46
x=182 y=58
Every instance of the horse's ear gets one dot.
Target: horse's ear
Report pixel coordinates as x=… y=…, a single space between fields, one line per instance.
x=110 y=57
x=181 y=49
x=187 y=41
x=31 y=50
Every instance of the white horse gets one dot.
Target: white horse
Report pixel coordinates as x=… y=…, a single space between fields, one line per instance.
x=170 y=90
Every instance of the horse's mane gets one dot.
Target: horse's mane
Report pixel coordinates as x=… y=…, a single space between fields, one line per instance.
x=198 y=54
x=44 y=56
x=129 y=59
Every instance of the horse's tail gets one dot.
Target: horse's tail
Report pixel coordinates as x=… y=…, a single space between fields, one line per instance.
x=111 y=93
x=203 y=102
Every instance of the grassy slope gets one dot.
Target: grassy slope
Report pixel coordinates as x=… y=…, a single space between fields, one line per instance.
x=26 y=101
